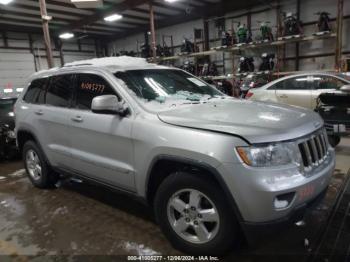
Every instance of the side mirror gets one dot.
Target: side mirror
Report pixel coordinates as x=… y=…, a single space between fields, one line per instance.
x=345 y=88
x=108 y=104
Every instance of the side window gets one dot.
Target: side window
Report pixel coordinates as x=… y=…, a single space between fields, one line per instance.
x=295 y=83
x=326 y=82
x=90 y=86
x=277 y=86
x=36 y=91
x=60 y=91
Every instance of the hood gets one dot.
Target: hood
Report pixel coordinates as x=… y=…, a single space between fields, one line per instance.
x=256 y=122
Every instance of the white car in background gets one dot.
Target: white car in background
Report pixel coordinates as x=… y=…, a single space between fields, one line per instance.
x=299 y=90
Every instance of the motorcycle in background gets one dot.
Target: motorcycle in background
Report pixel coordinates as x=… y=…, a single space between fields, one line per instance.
x=189 y=67
x=266 y=31
x=243 y=34
x=227 y=39
x=324 y=22
x=268 y=62
x=187 y=47
x=246 y=64
x=292 y=26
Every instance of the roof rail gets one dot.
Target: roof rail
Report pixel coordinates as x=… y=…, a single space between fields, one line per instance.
x=84 y=64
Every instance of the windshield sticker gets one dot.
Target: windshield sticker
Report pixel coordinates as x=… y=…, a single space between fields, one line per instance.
x=92 y=87
x=196 y=81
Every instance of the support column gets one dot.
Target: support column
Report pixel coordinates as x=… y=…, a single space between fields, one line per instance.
x=339 y=39
x=297 y=44
x=47 y=40
x=153 y=31
x=60 y=46
x=206 y=34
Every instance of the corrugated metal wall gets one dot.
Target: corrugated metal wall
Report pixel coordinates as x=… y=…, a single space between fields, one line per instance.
x=17 y=62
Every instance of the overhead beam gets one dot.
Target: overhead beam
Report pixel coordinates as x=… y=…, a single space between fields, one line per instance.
x=217 y=9
x=100 y=14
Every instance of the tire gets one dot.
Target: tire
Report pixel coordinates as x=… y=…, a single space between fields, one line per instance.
x=33 y=158
x=225 y=233
x=334 y=140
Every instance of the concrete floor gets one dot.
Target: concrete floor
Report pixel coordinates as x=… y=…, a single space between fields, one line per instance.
x=80 y=219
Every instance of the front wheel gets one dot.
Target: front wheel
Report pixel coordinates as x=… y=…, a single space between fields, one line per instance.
x=195 y=216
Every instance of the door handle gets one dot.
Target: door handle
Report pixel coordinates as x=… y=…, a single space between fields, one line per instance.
x=39 y=112
x=77 y=119
x=283 y=96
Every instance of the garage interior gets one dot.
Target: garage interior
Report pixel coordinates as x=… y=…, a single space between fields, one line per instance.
x=87 y=221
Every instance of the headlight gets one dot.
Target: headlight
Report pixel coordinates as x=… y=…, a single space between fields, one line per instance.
x=271 y=155
x=11 y=134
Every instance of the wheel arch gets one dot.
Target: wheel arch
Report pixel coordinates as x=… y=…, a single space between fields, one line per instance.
x=163 y=165
x=23 y=136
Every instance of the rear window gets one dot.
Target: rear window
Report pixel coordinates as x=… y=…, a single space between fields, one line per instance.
x=36 y=91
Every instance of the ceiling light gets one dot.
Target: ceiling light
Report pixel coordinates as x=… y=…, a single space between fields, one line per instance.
x=66 y=35
x=171 y=1
x=5 y=2
x=113 y=18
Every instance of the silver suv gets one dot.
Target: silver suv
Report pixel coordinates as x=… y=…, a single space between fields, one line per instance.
x=209 y=165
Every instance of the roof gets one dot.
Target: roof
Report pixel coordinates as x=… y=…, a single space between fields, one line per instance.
x=112 y=64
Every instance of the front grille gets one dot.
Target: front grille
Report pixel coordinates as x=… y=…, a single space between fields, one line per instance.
x=314 y=150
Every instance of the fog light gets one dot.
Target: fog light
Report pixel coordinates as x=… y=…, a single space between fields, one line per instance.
x=284 y=200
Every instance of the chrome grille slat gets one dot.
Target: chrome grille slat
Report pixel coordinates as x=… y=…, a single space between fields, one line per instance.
x=308 y=154
x=319 y=147
x=313 y=150
x=323 y=143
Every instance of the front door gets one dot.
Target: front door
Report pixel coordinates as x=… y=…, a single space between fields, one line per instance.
x=102 y=147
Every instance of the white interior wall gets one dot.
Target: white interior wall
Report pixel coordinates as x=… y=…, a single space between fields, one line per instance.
x=17 y=62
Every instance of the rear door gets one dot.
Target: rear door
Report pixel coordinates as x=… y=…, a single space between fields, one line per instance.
x=324 y=84
x=294 y=91
x=52 y=114
x=102 y=147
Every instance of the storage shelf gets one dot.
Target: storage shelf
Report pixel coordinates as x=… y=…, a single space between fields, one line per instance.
x=241 y=47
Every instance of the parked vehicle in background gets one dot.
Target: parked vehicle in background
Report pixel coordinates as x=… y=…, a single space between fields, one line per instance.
x=300 y=90
x=8 y=147
x=334 y=108
x=253 y=81
x=210 y=165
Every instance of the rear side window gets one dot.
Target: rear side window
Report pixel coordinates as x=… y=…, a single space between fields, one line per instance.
x=327 y=82
x=90 y=86
x=295 y=83
x=36 y=91
x=60 y=91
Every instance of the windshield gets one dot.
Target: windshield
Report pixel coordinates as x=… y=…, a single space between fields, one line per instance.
x=6 y=105
x=164 y=88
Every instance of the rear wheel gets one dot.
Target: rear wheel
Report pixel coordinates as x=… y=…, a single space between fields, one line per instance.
x=334 y=140
x=38 y=170
x=195 y=216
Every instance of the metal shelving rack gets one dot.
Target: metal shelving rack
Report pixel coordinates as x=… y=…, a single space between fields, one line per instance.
x=279 y=44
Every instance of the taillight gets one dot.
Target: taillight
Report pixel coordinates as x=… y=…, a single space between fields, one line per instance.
x=249 y=95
